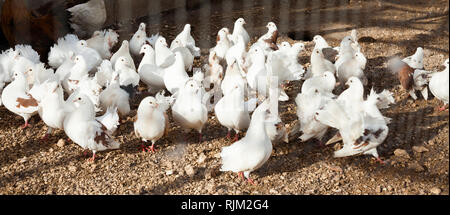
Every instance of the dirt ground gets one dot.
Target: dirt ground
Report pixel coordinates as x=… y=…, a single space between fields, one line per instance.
x=418 y=135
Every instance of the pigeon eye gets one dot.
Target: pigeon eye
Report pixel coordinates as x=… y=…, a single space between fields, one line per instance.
x=79 y=99
x=138 y=36
x=317 y=51
x=192 y=85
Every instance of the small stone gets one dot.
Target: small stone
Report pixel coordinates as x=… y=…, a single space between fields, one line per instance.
x=61 y=143
x=420 y=149
x=378 y=189
x=72 y=168
x=401 y=153
x=169 y=172
x=435 y=191
x=190 y=171
x=23 y=160
x=273 y=191
x=416 y=167
x=201 y=159
x=211 y=173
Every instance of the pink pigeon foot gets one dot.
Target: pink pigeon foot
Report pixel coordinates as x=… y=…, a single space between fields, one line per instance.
x=151 y=148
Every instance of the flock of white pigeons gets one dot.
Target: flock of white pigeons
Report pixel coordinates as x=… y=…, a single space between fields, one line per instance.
x=98 y=86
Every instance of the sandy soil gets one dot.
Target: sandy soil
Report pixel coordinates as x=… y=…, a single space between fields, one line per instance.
x=29 y=166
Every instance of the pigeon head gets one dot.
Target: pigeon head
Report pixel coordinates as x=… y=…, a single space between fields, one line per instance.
x=187 y=27
x=176 y=43
x=146 y=48
x=82 y=43
x=362 y=60
x=142 y=26
x=150 y=102
x=298 y=47
x=161 y=40
x=96 y=33
x=192 y=86
x=271 y=26
x=354 y=82
x=347 y=41
x=79 y=59
x=121 y=62
x=240 y=22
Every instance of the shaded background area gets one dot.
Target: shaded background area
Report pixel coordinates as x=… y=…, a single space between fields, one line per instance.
x=386 y=28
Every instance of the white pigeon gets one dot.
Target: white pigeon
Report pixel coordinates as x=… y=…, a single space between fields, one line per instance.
x=189 y=109
x=64 y=49
x=439 y=85
x=319 y=64
x=163 y=55
x=232 y=76
x=411 y=79
x=188 y=58
x=239 y=30
x=415 y=61
x=252 y=151
x=352 y=98
x=213 y=72
x=175 y=76
x=84 y=129
x=237 y=53
x=187 y=40
x=87 y=17
x=284 y=47
x=360 y=132
x=324 y=83
x=15 y=98
x=149 y=72
x=269 y=39
x=124 y=51
x=78 y=71
x=114 y=96
x=232 y=111
x=353 y=67
x=103 y=41
x=346 y=51
x=320 y=42
x=104 y=73
x=127 y=75
x=308 y=102
x=110 y=119
x=37 y=74
x=256 y=73
x=7 y=59
x=28 y=52
x=52 y=108
x=63 y=71
x=222 y=44
x=152 y=121
x=89 y=87
x=138 y=40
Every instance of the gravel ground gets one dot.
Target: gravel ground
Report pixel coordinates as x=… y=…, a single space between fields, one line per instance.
x=416 y=150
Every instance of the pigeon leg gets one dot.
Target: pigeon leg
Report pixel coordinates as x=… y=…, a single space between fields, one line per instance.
x=228 y=135
x=443 y=108
x=92 y=159
x=26 y=125
x=152 y=148
x=236 y=137
x=44 y=138
x=200 y=137
x=380 y=161
x=249 y=180
x=142 y=148
x=241 y=174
